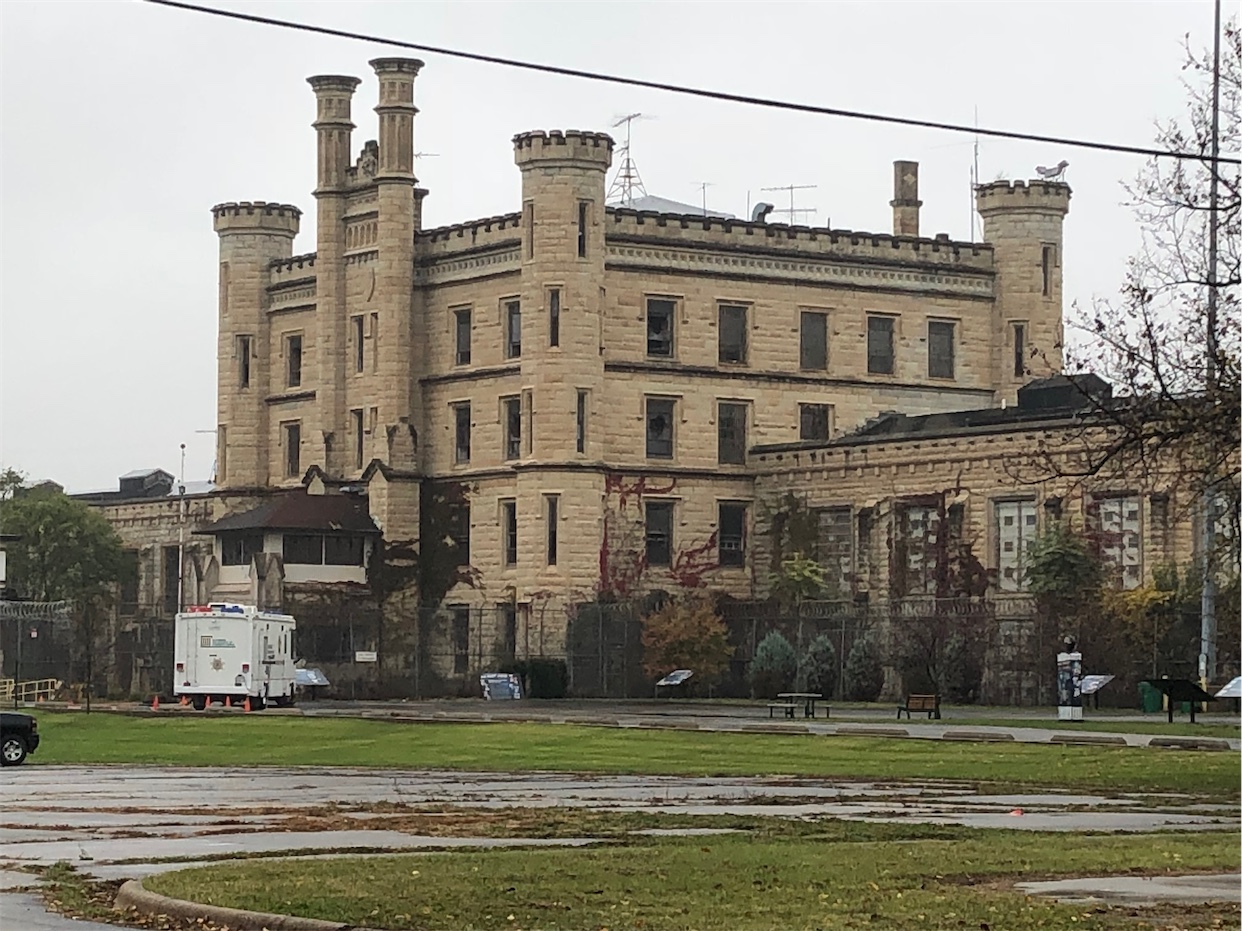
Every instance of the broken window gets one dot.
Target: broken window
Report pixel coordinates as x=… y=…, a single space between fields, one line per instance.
x=660 y=327
x=731 y=534
x=659 y=533
x=461 y=321
x=732 y=333
x=461 y=640
x=813 y=347
x=293 y=360
x=835 y=545
x=918 y=529
x=880 y=345
x=243 y=361
x=512 y=408
x=1118 y=531
x=1014 y=533
x=293 y=449
x=513 y=329
x=660 y=428
x=461 y=419
x=509 y=531
x=814 y=422
x=940 y=348
x=731 y=433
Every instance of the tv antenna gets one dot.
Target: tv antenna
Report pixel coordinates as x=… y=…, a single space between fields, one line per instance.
x=627 y=181
x=791 y=209
x=703 y=186
x=974 y=182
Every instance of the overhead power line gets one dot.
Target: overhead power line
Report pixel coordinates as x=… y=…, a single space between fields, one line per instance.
x=694 y=91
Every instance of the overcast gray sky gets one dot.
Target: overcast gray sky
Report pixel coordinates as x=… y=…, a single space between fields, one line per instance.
x=124 y=122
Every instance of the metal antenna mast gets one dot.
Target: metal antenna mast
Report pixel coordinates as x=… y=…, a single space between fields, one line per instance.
x=627 y=181
x=974 y=181
x=791 y=209
x=703 y=186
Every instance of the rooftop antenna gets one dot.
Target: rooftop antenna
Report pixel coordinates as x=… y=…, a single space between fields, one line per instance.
x=627 y=181
x=703 y=186
x=791 y=209
x=974 y=180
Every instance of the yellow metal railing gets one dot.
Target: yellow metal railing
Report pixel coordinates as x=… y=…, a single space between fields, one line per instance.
x=33 y=690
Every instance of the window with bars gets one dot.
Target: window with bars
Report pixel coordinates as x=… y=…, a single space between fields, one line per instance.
x=813 y=342
x=660 y=315
x=513 y=329
x=835 y=546
x=461 y=329
x=293 y=360
x=880 y=345
x=512 y=413
x=660 y=413
x=731 y=534
x=509 y=531
x=814 y=422
x=461 y=421
x=940 y=348
x=731 y=433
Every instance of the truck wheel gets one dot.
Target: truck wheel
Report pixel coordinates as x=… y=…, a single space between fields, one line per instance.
x=12 y=750
x=199 y=702
x=257 y=703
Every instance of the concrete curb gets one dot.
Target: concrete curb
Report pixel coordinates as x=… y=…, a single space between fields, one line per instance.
x=865 y=731
x=1090 y=740
x=132 y=895
x=1189 y=743
x=981 y=736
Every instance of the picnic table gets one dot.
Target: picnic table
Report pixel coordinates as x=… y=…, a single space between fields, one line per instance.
x=807 y=699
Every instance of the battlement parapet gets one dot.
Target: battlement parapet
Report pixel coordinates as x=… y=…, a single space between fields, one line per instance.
x=1019 y=196
x=567 y=148
x=714 y=232
x=444 y=240
x=257 y=217
x=292 y=268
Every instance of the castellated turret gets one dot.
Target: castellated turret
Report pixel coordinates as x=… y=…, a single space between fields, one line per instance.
x=252 y=236
x=1022 y=221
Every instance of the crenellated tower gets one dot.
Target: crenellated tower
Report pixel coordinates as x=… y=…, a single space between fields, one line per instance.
x=1023 y=221
x=252 y=235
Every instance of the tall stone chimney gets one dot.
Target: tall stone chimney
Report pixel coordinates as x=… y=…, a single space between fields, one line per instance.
x=905 y=202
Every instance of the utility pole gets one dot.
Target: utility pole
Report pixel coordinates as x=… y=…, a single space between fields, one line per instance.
x=1207 y=605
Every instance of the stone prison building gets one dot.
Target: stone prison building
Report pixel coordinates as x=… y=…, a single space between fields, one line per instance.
x=457 y=436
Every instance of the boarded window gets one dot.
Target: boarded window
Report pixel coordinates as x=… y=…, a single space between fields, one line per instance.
x=461 y=325
x=814 y=422
x=731 y=534
x=660 y=428
x=940 y=348
x=512 y=408
x=509 y=532
x=1014 y=533
x=660 y=327
x=732 y=333
x=918 y=530
x=880 y=345
x=659 y=522
x=461 y=420
x=731 y=433
x=513 y=329
x=813 y=346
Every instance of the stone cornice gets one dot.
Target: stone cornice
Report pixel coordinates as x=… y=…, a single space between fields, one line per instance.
x=486 y=263
x=794 y=378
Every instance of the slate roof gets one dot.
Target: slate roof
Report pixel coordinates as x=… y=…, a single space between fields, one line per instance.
x=296 y=510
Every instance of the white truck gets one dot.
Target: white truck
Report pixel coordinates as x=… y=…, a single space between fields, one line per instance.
x=235 y=652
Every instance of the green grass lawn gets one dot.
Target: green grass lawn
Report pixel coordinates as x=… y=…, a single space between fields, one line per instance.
x=724 y=882
x=257 y=740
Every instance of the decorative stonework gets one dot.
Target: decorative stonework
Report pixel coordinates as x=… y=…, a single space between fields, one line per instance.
x=496 y=263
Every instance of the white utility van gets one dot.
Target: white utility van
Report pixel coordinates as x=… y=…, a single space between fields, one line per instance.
x=236 y=652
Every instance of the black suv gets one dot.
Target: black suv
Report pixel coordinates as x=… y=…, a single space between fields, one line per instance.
x=19 y=735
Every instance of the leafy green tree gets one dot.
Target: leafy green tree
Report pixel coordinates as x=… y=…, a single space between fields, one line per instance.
x=799 y=579
x=774 y=667
x=1065 y=576
x=817 y=671
x=686 y=634
x=864 y=674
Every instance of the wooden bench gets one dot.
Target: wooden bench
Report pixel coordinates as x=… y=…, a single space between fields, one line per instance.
x=787 y=707
x=921 y=703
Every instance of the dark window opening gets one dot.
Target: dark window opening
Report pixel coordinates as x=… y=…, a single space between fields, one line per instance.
x=553 y=514
x=732 y=535
x=513 y=329
x=940 y=348
x=461 y=418
x=660 y=428
x=731 y=434
x=243 y=361
x=375 y=342
x=356 y=416
x=459 y=532
x=359 y=344
x=513 y=428
x=732 y=334
x=581 y=421
x=462 y=327
x=813 y=352
x=293 y=361
x=529 y=222
x=660 y=327
x=814 y=422
x=303 y=549
x=461 y=640
x=508 y=630
x=128 y=594
x=1048 y=261
x=237 y=549
x=880 y=345
x=293 y=450
x=510 y=526
x=1019 y=349
x=344 y=550
x=554 y=317
x=582 y=228
x=172 y=579
x=659 y=533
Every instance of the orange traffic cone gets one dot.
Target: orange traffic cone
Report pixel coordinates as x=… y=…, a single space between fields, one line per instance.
x=247 y=705
x=207 y=703
x=155 y=703
x=185 y=700
x=228 y=701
